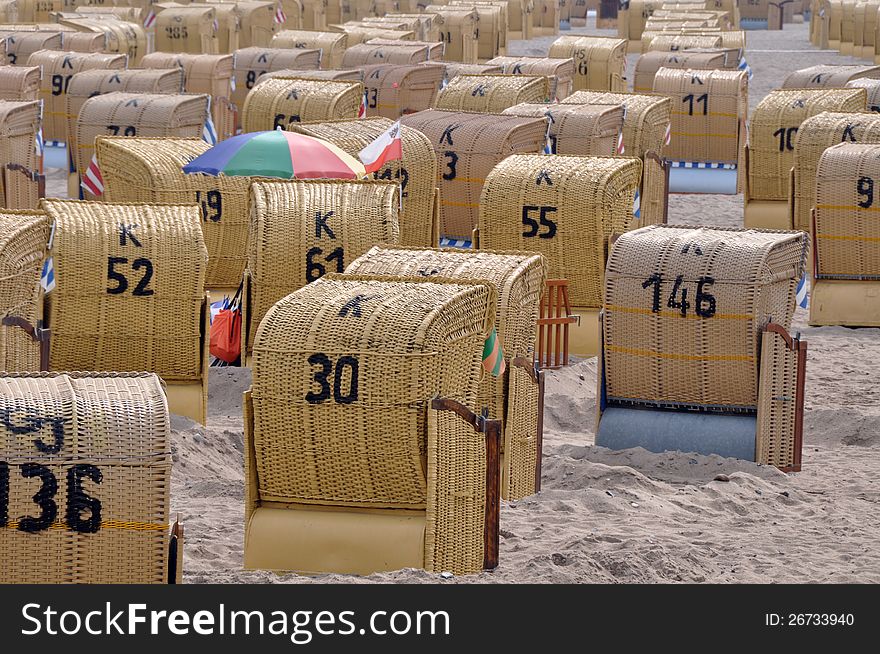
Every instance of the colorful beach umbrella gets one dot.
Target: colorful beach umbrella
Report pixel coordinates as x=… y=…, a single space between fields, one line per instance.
x=281 y=154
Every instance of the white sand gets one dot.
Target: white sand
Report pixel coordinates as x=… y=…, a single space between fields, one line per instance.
x=629 y=516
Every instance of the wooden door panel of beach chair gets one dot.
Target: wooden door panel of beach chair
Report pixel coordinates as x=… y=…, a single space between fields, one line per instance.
x=314 y=15
x=250 y=64
x=111 y=468
x=688 y=362
x=141 y=170
x=583 y=130
x=90 y=83
x=58 y=69
x=137 y=114
x=23 y=238
x=19 y=83
x=302 y=230
x=331 y=44
x=513 y=396
x=815 y=135
x=468 y=146
x=565 y=208
x=600 y=62
x=458 y=30
x=416 y=172
x=211 y=74
x=394 y=91
x=846 y=264
x=414 y=482
x=129 y=294
x=560 y=72
x=546 y=17
x=773 y=129
x=646 y=122
x=281 y=102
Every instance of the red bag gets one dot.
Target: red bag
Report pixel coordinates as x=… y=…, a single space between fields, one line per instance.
x=225 y=341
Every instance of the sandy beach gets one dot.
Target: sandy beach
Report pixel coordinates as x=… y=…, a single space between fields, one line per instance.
x=629 y=516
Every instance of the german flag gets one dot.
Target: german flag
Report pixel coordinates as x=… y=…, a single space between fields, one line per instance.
x=493 y=357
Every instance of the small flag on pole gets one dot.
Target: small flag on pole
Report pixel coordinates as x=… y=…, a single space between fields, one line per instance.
x=39 y=144
x=743 y=65
x=668 y=138
x=493 y=356
x=801 y=297
x=620 y=148
x=548 y=141
x=386 y=147
x=280 y=17
x=362 y=110
x=216 y=25
x=92 y=180
x=47 y=277
x=637 y=206
x=150 y=19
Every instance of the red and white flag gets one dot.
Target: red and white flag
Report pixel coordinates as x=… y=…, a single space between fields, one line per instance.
x=280 y=17
x=92 y=180
x=620 y=148
x=387 y=147
x=362 y=110
x=150 y=19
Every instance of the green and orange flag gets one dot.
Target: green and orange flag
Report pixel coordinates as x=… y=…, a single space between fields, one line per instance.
x=493 y=356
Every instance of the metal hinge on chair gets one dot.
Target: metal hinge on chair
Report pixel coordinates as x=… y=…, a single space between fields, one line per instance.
x=38 y=334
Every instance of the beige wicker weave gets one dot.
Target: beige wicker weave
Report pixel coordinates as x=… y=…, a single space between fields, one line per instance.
x=649 y=63
x=468 y=146
x=416 y=172
x=23 y=237
x=435 y=49
x=412 y=480
x=582 y=130
x=58 y=68
x=90 y=83
x=331 y=44
x=563 y=207
x=673 y=42
x=774 y=126
x=392 y=91
x=102 y=442
x=21 y=45
x=211 y=74
x=684 y=307
x=363 y=33
x=710 y=108
x=36 y=11
x=354 y=75
x=846 y=229
x=313 y=14
x=545 y=17
x=815 y=135
x=646 y=119
x=426 y=28
x=19 y=122
x=130 y=288
x=83 y=42
x=492 y=93
x=19 y=83
x=600 y=62
x=519 y=278
x=279 y=102
x=250 y=64
x=121 y=37
x=454 y=69
x=492 y=24
x=258 y=24
x=871 y=86
x=137 y=170
x=560 y=72
x=187 y=30
x=458 y=30
x=301 y=230
x=137 y=114
x=364 y=54
x=829 y=77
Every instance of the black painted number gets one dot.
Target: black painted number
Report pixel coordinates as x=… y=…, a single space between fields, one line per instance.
x=60 y=84
x=690 y=99
x=534 y=226
x=865 y=188
x=176 y=31
x=78 y=502
x=402 y=174
x=316 y=270
x=451 y=161
x=372 y=98
x=704 y=303
x=284 y=121
x=346 y=366
x=251 y=78
x=212 y=205
x=785 y=135
x=128 y=130
x=113 y=274
x=43 y=498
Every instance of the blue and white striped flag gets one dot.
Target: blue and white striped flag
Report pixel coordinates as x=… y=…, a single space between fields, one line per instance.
x=39 y=144
x=47 y=278
x=637 y=206
x=743 y=65
x=209 y=132
x=801 y=298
